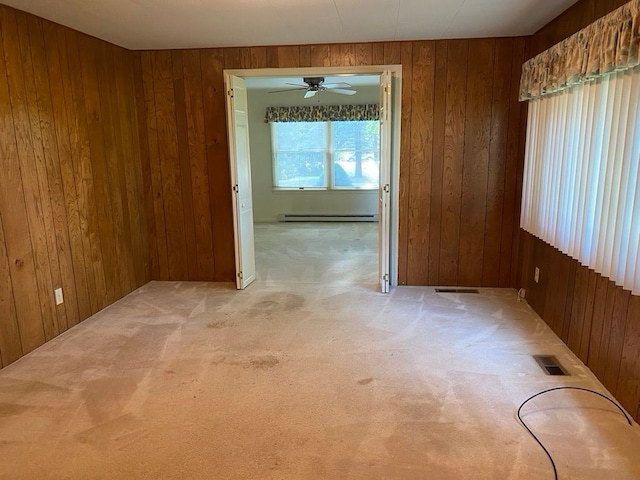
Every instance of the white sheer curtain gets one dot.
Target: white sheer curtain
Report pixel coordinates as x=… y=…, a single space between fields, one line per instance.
x=581 y=179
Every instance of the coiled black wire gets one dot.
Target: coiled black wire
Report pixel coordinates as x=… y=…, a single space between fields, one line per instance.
x=553 y=464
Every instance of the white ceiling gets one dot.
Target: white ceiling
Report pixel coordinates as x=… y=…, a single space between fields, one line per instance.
x=159 y=24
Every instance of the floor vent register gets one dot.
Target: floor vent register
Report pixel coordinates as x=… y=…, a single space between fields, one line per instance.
x=550 y=365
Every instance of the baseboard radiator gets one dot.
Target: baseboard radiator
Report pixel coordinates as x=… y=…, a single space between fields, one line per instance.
x=322 y=217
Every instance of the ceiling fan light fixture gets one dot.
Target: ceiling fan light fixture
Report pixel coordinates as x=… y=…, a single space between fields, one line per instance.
x=316 y=84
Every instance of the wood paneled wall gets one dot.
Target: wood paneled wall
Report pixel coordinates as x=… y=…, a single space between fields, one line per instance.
x=575 y=18
x=460 y=167
x=71 y=211
x=597 y=320
x=185 y=164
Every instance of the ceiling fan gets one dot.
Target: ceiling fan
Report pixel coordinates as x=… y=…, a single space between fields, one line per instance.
x=316 y=84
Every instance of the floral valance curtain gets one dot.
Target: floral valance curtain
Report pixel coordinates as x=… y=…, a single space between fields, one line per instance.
x=607 y=45
x=323 y=113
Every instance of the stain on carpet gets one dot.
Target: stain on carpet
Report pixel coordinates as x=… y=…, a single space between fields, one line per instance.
x=224 y=361
x=257 y=362
x=9 y=409
x=365 y=381
x=218 y=324
x=279 y=302
x=265 y=361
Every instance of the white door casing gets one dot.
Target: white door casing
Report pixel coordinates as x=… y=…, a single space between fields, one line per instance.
x=385 y=181
x=238 y=131
x=389 y=136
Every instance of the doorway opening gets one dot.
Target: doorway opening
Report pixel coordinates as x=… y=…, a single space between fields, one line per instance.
x=321 y=171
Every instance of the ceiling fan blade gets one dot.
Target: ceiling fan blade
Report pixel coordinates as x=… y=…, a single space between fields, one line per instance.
x=331 y=86
x=341 y=91
x=289 y=90
x=309 y=93
x=297 y=85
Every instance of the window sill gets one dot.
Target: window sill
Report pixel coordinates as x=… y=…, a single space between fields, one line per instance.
x=323 y=189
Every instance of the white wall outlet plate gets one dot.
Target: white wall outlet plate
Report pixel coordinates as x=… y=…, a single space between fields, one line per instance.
x=58 y=294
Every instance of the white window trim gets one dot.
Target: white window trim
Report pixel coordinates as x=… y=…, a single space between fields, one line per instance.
x=328 y=166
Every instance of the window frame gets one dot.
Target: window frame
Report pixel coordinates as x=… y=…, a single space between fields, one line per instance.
x=329 y=177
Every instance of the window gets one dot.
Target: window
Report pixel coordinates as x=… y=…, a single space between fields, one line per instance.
x=299 y=154
x=326 y=155
x=581 y=189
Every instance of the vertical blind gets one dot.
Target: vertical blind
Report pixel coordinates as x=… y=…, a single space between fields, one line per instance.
x=581 y=180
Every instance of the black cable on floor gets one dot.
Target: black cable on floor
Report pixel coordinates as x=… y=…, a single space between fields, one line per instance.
x=553 y=464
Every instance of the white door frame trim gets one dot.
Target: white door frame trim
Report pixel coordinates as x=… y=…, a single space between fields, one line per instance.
x=396 y=73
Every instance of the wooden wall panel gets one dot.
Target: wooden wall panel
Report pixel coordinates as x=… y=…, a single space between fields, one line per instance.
x=110 y=120
x=212 y=66
x=454 y=134
x=405 y=161
x=364 y=54
x=437 y=162
x=83 y=172
x=460 y=154
x=10 y=346
x=599 y=321
x=131 y=171
x=122 y=194
x=420 y=158
x=320 y=55
x=57 y=64
x=184 y=164
x=476 y=162
x=575 y=18
x=617 y=329
x=258 y=56
x=144 y=131
x=496 y=172
x=170 y=165
x=287 y=57
x=628 y=386
x=58 y=230
x=603 y=306
x=305 y=56
x=199 y=169
x=68 y=150
x=513 y=175
x=38 y=328
x=232 y=56
x=342 y=55
x=377 y=53
x=18 y=292
x=392 y=52
x=152 y=174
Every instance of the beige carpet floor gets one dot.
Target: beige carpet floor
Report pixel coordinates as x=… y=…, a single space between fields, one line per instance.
x=308 y=374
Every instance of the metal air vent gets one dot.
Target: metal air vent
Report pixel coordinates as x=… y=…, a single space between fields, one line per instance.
x=550 y=365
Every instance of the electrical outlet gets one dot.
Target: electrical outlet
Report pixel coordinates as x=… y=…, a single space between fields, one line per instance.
x=536 y=275
x=58 y=294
